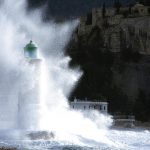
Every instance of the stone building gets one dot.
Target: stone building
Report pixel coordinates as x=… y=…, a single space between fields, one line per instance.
x=128 y=28
x=95 y=18
x=139 y=10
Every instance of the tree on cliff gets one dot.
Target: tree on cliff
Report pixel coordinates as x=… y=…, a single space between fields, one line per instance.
x=130 y=8
x=145 y=2
x=117 y=5
x=149 y=10
x=104 y=10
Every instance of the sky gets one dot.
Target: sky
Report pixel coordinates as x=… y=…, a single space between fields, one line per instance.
x=71 y=8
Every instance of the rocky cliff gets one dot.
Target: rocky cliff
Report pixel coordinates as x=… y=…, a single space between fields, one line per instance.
x=114 y=55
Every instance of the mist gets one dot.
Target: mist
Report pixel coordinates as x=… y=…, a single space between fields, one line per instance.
x=50 y=111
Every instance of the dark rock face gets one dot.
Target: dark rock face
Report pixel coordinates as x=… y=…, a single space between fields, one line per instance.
x=116 y=64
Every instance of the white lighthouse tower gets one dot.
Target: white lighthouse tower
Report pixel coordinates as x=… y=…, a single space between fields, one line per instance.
x=29 y=94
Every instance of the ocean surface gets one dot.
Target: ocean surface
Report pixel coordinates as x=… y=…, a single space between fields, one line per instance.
x=121 y=139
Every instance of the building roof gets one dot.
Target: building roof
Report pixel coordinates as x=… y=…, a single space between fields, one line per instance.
x=89 y=102
x=30 y=46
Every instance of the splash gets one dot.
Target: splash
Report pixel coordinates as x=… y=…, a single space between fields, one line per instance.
x=48 y=108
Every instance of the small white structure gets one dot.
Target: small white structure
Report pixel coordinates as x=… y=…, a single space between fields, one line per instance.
x=89 y=105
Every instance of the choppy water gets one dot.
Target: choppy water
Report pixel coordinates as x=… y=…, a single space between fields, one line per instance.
x=122 y=139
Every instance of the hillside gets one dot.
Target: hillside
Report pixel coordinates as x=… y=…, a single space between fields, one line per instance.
x=114 y=54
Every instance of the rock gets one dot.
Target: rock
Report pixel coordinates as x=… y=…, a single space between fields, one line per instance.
x=41 y=135
x=6 y=148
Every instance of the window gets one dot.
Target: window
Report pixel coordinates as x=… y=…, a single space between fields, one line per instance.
x=104 y=107
x=136 y=11
x=100 y=107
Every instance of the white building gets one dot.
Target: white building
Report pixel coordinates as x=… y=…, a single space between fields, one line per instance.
x=89 y=105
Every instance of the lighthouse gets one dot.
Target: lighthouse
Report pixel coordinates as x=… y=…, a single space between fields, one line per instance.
x=30 y=51
x=29 y=94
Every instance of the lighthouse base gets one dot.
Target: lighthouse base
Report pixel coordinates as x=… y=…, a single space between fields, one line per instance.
x=29 y=107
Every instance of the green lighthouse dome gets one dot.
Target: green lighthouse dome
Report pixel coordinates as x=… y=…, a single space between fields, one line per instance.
x=30 y=50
